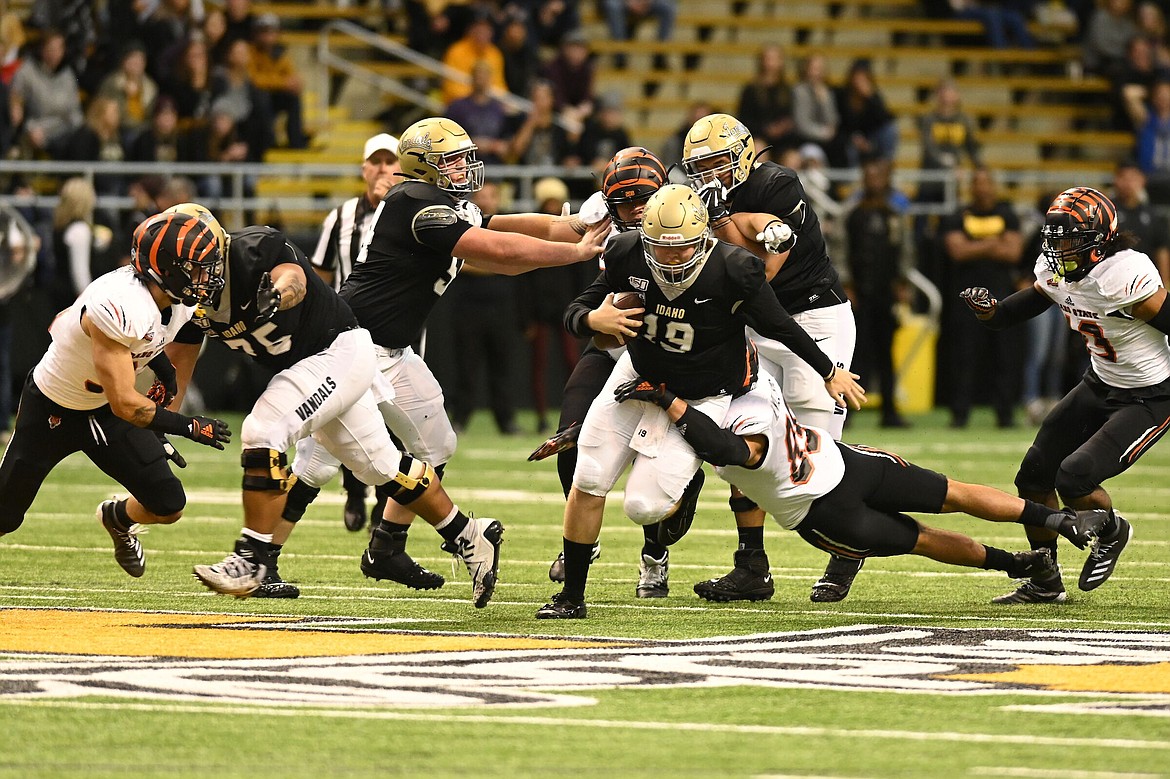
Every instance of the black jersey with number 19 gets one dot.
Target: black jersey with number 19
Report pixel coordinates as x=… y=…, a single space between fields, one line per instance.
x=290 y=335
x=406 y=262
x=693 y=339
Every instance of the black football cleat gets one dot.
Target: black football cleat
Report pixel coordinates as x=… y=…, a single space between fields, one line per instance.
x=1103 y=556
x=1082 y=528
x=748 y=580
x=556 y=571
x=674 y=527
x=1033 y=564
x=275 y=587
x=355 y=510
x=1048 y=588
x=386 y=558
x=127 y=551
x=560 y=607
x=837 y=580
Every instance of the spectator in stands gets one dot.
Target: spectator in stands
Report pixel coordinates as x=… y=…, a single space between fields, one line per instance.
x=161 y=140
x=550 y=20
x=176 y=190
x=814 y=108
x=475 y=46
x=765 y=102
x=521 y=62
x=672 y=148
x=876 y=233
x=74 y=21
x=191 y=85
x=605 y=133
x=1110 y=29
x=1151 y=22
x=479 y=297
x=1152 y=120
x=537 y=138
x=867 y=127
x=1135 y=79
x=571 y=75
x=44 y=100
x=484 y=116
x=12 y=40
x=1136 y=215
x=946 y=136
x=1004 y=23
x=272 y=70
x=234 y=91
x=432 y=26
x=100 y=139
x=217 y=141
x=81 y=248
x=982 y=244
x=544 y=294
x=215 y=27
x=623 y=17
x=164 y=26
x=239 y=17
x=133 y=90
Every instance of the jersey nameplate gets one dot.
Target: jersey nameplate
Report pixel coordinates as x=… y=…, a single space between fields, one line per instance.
x=433 y=217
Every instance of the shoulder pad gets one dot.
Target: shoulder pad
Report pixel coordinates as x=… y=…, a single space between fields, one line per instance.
x=433 y=217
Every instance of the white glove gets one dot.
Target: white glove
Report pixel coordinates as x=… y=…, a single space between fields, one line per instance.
x=469 y=212
x=775 y=236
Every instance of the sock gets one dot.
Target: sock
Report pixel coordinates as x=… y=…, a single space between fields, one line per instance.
x=393 y=527
x=121 y=516
x=248 y=533
x=577 y=558
x=997 y=559
x=1049 y=545
x=650 y=543
x=451 y=526
x=751 y=537
x=1038 y=515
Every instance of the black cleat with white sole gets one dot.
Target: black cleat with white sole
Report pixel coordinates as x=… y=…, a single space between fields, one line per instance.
x=1104 y=554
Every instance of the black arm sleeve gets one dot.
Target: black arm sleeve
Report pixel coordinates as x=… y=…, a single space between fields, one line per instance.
x=163 y=369
x=711 y=442
x=1161 y=320
x=1018 y=307
x=768 y=318
x=587 y=301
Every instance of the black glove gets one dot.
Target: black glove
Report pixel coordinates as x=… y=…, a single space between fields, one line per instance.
x=267 y=299
x=979 y=300
x=209 y=431
x=640 y=389
x=171 y=452
x=714 y=197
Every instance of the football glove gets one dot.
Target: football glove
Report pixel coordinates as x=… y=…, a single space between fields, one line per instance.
x=267 y=299
x=640 y=389
x=209 y=431
x=777 y=237
x=979 y=300
x=171 y=452
x=562 y=441
x=161 y=394
x=714 y=197
x=166 y=383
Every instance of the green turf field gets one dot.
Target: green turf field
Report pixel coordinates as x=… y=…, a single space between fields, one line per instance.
x=915 y=675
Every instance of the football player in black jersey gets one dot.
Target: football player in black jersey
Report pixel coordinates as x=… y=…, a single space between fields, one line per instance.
x=423 y=232
x=719 y=156
x=275 y=309
x=699 y=294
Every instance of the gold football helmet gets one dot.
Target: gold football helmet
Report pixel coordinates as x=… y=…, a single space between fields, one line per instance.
x=676 y=236
x=440 y=152
x=718 y=146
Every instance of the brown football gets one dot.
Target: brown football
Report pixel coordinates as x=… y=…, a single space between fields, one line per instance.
x=624 y=300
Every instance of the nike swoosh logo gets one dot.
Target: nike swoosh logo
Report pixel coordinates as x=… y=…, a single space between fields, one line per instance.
x=818 y=340
x=244 y=306
x=702 y=300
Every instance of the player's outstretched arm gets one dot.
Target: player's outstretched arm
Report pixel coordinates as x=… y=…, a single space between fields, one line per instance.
x=1015 y=308
x=514 y=253
x=561 y=229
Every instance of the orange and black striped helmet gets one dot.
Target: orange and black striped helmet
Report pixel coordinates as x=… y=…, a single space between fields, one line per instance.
x=631 y=177
x=1078 y=228
x=183 y=253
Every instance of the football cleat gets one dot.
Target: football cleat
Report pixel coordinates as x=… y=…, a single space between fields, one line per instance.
x=556 y=571
x=355 y=510
x=386 y=558
x=675 y=526
x=1103 y=556
x=1082 y=528
x=1047 y=589
x=127 y=551
x=561 y=607
x=748 y=580
x=479 y=546
x=1033 y=564
x=563 y=440
x=837 y=580
x=234 y=575
x=275 y=587
x=652 y=576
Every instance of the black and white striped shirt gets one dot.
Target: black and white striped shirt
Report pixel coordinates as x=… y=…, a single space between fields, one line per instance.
x=341 y=238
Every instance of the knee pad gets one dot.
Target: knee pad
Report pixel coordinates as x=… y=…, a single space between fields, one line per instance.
x=278 y=477
x=1035 y=474
x=587 y=476
x=647 y=509
x=741 y=503
x=311 y=467
x=1075 y=478
x=165 y=498
x=300 y=496
x=411 y=481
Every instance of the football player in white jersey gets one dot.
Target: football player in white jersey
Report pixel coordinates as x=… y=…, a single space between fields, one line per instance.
x=848 y=500
x=81 y=396
x=1113 y=297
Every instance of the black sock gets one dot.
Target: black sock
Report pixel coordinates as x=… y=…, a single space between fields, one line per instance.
x=453 y=528
x=121 y=516
x=1037 y=515
x=1049 y=545
x=577 y=557
x=393 y=527
x=650 y=543
x=997 y=559
x=751 y=537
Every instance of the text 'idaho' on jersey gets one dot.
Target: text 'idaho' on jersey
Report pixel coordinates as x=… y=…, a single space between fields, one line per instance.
x=290 y=335
x=1125 y=351
x=808 y=275
x=406 y=261
x=693 y=339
